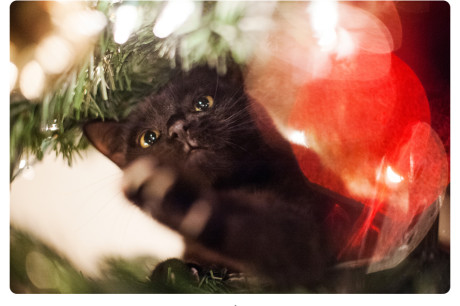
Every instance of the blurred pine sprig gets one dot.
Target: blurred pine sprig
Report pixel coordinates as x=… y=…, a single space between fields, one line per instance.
x=37 y=268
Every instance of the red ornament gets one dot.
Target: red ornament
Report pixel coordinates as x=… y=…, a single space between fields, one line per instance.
x=372 y=141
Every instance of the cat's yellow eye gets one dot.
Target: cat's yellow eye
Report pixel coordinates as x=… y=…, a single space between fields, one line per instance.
x=148 y=138
x=203 y=103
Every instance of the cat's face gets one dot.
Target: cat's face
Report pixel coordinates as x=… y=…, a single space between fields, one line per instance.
x=198 y=121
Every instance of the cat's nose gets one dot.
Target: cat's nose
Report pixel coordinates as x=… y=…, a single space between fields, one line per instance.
x=177 y=129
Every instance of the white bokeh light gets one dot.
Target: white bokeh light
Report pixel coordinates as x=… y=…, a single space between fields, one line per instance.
x=298 y=137
x=172 y=17
x=32 y=80
x=86 y=23
x=324 y=18
x=392 y=176
x=13 y=76
x=125 y=22
x=54 y=54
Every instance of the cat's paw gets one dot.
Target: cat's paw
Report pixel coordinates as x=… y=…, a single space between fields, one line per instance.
x=145 y=183
x=171 y=197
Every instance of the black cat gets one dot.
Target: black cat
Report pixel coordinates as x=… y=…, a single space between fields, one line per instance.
x=205 y=160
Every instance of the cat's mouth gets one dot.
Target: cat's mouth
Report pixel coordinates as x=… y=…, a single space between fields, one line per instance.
x=196 y=155
x=192 y=147
x=195 y=150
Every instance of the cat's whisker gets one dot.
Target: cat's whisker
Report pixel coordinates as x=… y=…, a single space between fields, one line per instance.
x=108 y=179
x=171 y=92
x=231 y=143
x=241 y=126
x=128 y=222
x=103 y=206
x=237 y=91
x=92 y=189
x=121 y=222
x=237 y=115
x=217 y=86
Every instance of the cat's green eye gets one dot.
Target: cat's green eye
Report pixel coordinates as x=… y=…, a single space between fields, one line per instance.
x=148 y=138
x=203 y=103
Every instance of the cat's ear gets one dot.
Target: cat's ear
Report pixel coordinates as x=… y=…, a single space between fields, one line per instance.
x=105 y=136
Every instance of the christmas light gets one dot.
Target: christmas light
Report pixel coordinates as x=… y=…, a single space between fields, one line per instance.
x=125 y=22
x=54 y=54
x=52 y=127
x=324 y=18
x=32 y=80
x=13 y=75
x=298 y=137
x=28 y=172
x=84 y=23
x=36 y=263
x=392 y=176
x=327 y=19
x=22 y=163
x=172 y=17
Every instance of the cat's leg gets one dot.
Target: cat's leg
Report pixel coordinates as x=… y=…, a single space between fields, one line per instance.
x=160 y=191
x=262 y=233
x=257 y=231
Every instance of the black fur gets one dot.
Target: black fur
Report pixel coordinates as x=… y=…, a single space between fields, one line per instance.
x=260 y=214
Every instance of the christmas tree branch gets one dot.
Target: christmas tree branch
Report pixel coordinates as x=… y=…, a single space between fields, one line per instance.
x=108 y=80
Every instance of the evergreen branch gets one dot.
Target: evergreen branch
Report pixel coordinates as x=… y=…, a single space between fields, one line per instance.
x=30 y=257
x=112 y=78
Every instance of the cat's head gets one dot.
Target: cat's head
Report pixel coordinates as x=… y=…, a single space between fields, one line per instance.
x=198 y=120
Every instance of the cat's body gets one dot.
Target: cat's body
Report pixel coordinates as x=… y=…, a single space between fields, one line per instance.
x=203 y=159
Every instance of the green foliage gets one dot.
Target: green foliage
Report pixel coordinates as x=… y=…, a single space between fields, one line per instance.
x=37 y=268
